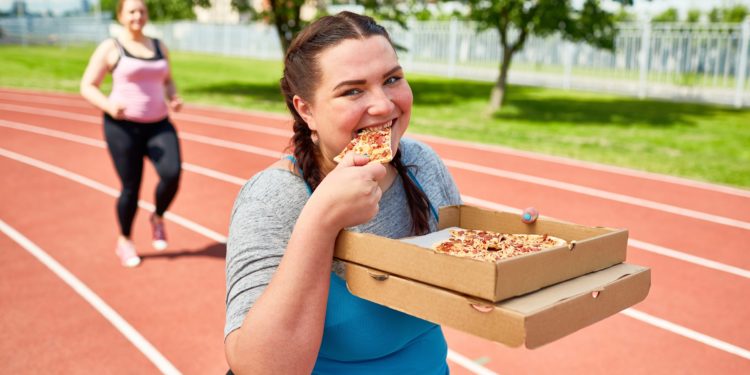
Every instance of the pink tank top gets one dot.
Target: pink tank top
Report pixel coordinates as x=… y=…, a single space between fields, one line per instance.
x=138 y=84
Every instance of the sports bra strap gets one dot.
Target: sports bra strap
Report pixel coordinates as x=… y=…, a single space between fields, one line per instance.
x=119 y=47
x=299 y=169
x=157 y=49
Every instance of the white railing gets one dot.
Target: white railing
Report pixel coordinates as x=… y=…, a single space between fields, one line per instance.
x=707 y=62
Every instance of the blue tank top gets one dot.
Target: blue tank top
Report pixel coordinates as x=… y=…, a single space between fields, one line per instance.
x=393 y=342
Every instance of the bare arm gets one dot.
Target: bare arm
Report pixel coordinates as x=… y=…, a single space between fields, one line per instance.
x=283 y=330
x=174 y=100
x=97 y=68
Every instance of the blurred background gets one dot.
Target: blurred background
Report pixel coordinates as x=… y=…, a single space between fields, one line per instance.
x=659 y=85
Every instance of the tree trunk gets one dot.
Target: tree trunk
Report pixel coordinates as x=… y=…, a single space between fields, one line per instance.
x=280 y=20
x=285 y=42
x=497 y=99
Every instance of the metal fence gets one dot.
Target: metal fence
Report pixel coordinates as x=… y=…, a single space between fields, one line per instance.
x=694 y=62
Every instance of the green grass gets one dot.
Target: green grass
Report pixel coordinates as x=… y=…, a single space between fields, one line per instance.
x=702 y=142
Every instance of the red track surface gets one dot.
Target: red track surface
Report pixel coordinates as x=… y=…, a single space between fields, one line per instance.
x=694 y=320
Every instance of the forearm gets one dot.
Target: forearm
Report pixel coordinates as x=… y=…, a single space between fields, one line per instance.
x=170 y=89
x=283 y=330
x=94 y=96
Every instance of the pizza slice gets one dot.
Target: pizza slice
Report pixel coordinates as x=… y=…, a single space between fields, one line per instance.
x=373 y=142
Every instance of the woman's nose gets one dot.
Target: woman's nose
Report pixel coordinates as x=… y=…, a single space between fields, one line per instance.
x=381 y=104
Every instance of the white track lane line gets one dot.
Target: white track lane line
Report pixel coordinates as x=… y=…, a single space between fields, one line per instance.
x=78 y=101
x=657 y=322
x=645 y=246
x=234 y=125
x=597 y=193
x=190 y=225
x=588 y=165
x=439 y=140
x=469 y=364
x=130 y=333
x=101 y=144
x=687 y=332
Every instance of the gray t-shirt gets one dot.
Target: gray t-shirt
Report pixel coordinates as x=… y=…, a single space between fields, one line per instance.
x=269 y=204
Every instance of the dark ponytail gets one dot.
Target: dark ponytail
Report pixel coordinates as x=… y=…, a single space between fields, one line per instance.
x=305 y=151
x=301 y=77
x=419 y=204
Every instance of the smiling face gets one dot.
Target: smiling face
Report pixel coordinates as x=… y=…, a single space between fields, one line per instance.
x=361 y=85
x=133 y=15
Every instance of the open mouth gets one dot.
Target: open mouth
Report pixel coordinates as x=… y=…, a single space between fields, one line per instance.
x=384 y=126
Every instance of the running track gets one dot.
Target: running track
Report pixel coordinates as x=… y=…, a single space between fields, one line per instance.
x=66 y=305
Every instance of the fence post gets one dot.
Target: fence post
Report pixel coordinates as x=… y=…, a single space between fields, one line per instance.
x=24 y=30
x=410 y=24
x=567 y=64
x=644 y=59
x=742 y=65
x=452 y=50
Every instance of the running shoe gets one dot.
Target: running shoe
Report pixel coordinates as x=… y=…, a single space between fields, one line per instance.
x=159 y=238
x=126 y=252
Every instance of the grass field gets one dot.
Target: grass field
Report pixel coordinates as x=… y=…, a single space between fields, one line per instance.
x=702 y=142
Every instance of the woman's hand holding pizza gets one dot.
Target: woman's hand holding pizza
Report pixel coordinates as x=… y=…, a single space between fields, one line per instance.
x=349 y=194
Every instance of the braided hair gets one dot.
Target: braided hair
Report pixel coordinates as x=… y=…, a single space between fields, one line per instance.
x=302 y=74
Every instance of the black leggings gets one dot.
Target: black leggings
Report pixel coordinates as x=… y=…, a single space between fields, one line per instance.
x=128 y=142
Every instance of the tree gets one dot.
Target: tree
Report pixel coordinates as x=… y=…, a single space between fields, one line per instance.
x=714 y=15
x=517 y=20
x=669 y=15
x=624 y=16
x=693 y=15
x=285 y=14
x=162 y=10
x=736 y=13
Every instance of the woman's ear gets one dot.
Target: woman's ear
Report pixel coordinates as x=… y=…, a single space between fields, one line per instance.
x=305 y=111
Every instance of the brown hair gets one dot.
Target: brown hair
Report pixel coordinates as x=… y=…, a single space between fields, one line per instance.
x=121 y=3
x=301 y=77
x=118 y=8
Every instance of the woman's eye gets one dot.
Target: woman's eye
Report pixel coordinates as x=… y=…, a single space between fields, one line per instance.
x=351 y=92
x=392 y=80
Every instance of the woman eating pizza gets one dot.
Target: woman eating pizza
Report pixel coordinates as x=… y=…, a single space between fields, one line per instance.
x=288 y=309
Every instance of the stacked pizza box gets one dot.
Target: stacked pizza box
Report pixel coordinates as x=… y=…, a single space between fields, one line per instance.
x=530 y=300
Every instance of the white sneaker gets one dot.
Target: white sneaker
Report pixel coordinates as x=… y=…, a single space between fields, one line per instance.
x=159 y=235
x=126 y=252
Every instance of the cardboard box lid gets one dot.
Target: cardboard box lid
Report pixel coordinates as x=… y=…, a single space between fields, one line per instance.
x=533 y=319
x=595 y=248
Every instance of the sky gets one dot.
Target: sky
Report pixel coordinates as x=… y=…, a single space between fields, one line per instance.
x=57 y=6
x=641 y=7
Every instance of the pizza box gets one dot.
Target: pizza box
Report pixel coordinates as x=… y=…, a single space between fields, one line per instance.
x=532 y=320
x=590 y=249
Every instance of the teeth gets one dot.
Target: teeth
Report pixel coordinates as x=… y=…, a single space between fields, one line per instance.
x=378 y=127
x=384 y=126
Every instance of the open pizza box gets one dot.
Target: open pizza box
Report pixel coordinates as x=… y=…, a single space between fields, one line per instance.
x=590 y=249
x=532 y=320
